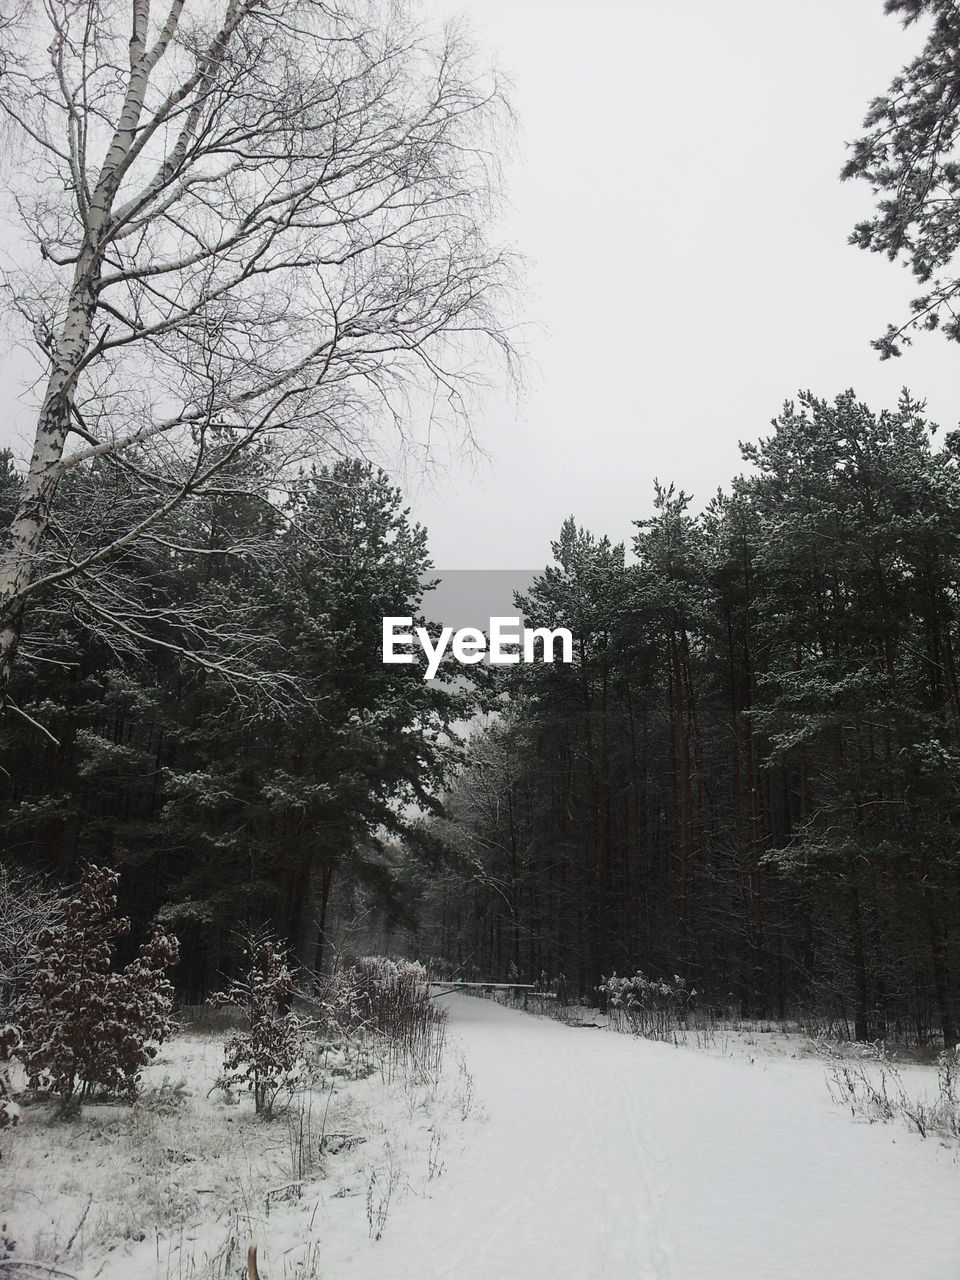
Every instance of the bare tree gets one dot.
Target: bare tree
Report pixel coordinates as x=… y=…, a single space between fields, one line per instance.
x=247 y=224
x=26 y=907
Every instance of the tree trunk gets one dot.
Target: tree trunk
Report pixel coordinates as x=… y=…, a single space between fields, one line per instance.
x=326 y=883
x=941 y=977
x=24 y=538
x=861 y=1022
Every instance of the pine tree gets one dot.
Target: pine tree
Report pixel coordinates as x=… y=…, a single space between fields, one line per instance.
x=908 y=156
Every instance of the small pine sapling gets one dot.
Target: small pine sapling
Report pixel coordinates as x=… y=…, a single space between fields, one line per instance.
x=270 y=1059
x=84 y=1027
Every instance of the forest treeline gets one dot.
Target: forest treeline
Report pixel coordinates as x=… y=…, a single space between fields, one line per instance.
x=750 y=775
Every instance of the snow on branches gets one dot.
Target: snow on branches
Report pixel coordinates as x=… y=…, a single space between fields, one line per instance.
x=652 y=1007
x=9 y=1110
x=269 y=1059
x=84 y=1027
x=26 y=907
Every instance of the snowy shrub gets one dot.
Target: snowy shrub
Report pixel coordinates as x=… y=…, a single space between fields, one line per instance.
x=869 y=1085
x=946 y=1117
x=948 y=1075
x=383 y=994
x=390 y=999
x=9 y=1110
x=379 y=994
x=26 y=907
x=84 y=1027
x=381 y=1187
x=650 y=1007
x=872 y=1087
x=269 y=1059
x=164 y=1099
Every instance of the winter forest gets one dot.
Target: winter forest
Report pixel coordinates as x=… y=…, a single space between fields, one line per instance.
x=297 y=946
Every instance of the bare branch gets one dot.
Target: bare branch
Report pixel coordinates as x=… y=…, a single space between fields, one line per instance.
x=254 y=223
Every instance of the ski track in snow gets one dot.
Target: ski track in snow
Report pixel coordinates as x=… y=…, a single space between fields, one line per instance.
x=605 y=1157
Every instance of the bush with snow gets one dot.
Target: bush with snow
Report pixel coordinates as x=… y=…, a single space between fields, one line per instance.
x=871 y=1085
x=390 y=999
x=9 y=1108
x=380 y=993
x=84 y=1027
x=271 y=1058
x=651 y=1007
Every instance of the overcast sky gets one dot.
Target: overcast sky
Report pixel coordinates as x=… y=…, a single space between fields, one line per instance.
x=677 y=197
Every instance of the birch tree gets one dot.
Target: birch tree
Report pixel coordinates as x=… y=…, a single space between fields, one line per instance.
x=244 y=225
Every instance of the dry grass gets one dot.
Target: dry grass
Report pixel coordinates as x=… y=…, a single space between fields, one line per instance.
x=175 y=1187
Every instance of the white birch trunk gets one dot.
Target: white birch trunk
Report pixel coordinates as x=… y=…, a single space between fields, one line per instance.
x=24 y=538
x=283 y=232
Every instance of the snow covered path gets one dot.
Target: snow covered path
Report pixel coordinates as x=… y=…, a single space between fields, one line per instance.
x=603 y=1157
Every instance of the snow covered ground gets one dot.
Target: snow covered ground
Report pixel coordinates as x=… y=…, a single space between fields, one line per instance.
x=548 y=1153
x=608 y=1156
x=155 y=1193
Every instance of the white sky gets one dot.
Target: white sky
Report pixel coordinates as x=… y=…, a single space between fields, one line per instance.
x=677 y=195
